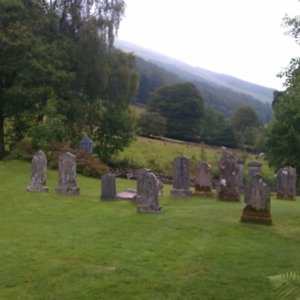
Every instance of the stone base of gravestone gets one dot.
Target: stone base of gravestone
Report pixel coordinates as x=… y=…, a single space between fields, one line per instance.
x=254 y=216
x=74 y=191
x=227 y=194
x=43 y=189
x=149 y=208
x=181 y=193
x=285 y=196
x=128 y=194
x=205 y=192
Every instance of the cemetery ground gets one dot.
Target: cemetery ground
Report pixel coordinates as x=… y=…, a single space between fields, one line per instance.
x=63 y=247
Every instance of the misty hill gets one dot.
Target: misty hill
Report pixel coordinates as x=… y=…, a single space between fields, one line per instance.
x=221 y=92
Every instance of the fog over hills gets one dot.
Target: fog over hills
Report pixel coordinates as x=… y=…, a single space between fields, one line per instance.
x=220 y=91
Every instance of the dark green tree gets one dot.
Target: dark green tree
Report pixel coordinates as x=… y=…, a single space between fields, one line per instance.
x=182 y=106
x=151 y=123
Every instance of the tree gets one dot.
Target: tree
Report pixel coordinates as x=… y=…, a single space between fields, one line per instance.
x=151 y=123
x=283 y=135
x=246 y=123
x=182 y=106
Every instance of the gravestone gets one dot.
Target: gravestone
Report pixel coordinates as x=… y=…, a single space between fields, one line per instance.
x=67 y=174
x=86 y=144
x=228 y=186
x=241 y=175
x=286 y=183
x=147 y=193
x=254 y=168
x=181 y=177
x=257 y=202
x=38 y=173
x=202 y=181
x=108 y=187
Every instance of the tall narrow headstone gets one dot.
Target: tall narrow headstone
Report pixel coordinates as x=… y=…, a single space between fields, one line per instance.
x=257 y=202
x=147 y=193
x=286 y=183
x=181 y=177
x=108 y=187
x=254 y=168
x=67 y=174
x=228 y=186
x=241 y=175
x=38 y=173
x=202 y=179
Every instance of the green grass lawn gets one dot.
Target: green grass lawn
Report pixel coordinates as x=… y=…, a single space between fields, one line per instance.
x=63 y=247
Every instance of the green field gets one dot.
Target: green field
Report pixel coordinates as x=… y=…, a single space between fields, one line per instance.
x=63 y=247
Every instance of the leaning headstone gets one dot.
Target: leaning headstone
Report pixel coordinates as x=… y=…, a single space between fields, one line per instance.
x=286 y=183
x=38 y=173
x=257 y=202
x=86 y=144
x=181 y=177
x=108 y=187
x=202 y=181
x=228 y=186
x=254 y=168
x=147 y=193
x=67 y=174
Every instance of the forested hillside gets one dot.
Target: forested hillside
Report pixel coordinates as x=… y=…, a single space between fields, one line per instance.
x=220 y=92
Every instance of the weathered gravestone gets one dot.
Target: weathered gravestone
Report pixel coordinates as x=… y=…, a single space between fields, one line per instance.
x=257 y=202
x=286 y=183
x=86 y=144
x=241 y=175
x=228 y=186
x=181 y=177
x=38 y=173
x=254 y=168
x=67 y=174
x=202 y=179
x=147 y=193
x=108 y=187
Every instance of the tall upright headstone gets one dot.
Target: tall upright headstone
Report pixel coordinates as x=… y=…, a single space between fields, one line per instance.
x=202 y=181
x=108 y=187
x=254 y=168
x=228 y=186
x=86 y=144
x=147 y=193
x=241 y=175
x=181 y=177
x=286 y=183
x=67 y=172
x=257 y=202
x=38 y=173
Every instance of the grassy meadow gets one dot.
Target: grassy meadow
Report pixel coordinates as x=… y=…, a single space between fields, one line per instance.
x=63 y=247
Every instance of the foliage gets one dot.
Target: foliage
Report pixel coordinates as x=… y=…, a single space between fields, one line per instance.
x=182 y=106
x=151 y=123
x=286 y=285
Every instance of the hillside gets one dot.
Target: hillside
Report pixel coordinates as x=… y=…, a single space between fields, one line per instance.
x=221 y=92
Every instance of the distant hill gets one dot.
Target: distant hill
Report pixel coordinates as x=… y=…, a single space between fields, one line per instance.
x=221 y=92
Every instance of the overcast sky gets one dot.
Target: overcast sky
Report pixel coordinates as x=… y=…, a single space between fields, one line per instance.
x=242 y=38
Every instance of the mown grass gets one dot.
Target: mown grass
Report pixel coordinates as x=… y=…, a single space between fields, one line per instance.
x=61 y=247
x=158 y=155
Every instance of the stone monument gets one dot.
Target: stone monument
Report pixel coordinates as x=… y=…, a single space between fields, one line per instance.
x=228 y=186
x=108 y=187
x=254 y=168
x=257 y=202
x=286 y=183
x=67 y=174
x=202 y=181
x=38 y=173
x=181 y=177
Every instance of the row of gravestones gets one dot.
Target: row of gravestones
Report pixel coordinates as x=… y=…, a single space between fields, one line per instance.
x=256 y=193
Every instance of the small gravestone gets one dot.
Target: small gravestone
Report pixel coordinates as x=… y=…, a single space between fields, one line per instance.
x=67 y=174
x=202 y=179
x=181 y=177
x=254 y=168
x=241 y=175
x=257 y=202
x=228 y=186
x=286 y=183
x=86 y=144
x=147 y=193
x=38 y=173
x=108 y=187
